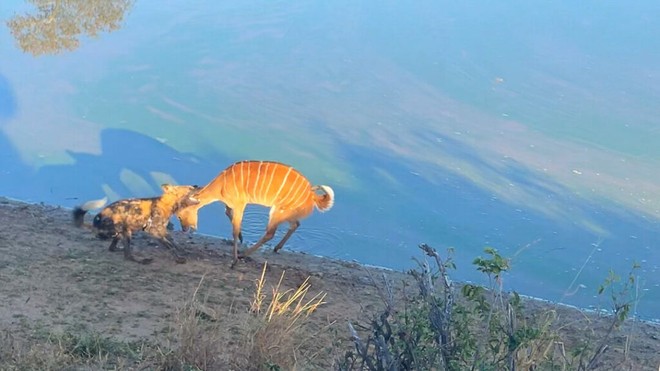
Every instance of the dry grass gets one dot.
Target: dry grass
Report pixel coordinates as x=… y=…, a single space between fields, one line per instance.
x=278 y=333
x=67 y=349
x=17 y=354
x=273 y=332
x=196 y=335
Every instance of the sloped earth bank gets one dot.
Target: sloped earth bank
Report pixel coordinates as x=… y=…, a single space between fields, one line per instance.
x=55 y=277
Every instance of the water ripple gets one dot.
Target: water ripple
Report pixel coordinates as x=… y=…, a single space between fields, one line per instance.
x=308 y=238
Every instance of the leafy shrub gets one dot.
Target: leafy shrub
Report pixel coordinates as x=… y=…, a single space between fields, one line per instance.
x=442 y=327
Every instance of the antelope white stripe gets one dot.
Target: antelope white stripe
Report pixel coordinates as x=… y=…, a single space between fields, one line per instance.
x=281 y=186
x=254 y=193
x=298 y=194
x=233 y=176
x=260 y=195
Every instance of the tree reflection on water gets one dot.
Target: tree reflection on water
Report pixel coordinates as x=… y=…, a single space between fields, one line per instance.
x=57 y=25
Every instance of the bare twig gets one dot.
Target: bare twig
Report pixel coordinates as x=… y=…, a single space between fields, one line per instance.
x=361 y=348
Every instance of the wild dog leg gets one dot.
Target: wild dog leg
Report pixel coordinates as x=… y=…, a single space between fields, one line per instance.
x=128 y=252
x=113 y=244
x=174 y=248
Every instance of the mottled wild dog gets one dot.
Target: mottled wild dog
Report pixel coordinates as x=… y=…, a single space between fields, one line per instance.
x=121 y=218
x=290 y=196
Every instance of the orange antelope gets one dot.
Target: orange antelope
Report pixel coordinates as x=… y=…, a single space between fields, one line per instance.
x=289 y=194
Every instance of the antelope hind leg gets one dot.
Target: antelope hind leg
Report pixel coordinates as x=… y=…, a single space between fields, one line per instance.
x=292 y=228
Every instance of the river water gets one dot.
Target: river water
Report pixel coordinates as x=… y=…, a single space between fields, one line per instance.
x=530 y=128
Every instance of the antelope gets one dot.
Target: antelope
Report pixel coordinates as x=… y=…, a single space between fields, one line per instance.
x=290 y=196
x=121 y=218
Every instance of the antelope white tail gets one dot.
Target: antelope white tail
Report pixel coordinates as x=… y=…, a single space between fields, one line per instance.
x=325 y=203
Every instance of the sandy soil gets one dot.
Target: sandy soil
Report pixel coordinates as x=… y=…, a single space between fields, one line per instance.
x=55 y=276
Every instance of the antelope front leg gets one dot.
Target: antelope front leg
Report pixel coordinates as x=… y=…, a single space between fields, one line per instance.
x=236 y=216
x=230 y=214
x=236 y=257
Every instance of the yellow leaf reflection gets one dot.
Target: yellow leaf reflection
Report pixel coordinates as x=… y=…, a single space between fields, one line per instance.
x=57 y=25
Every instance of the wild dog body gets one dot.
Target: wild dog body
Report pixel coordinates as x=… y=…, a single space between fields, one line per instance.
x=290 y=196
x=122 y=218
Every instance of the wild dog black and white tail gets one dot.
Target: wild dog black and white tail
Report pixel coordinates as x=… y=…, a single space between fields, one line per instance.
x=80 y=211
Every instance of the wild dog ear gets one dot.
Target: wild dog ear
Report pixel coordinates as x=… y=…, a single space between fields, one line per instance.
x=192 y=199
x=189 y=201
x=165 y=187
x=194 y=190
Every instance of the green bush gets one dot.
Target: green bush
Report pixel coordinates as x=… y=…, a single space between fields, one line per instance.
x=442 y=327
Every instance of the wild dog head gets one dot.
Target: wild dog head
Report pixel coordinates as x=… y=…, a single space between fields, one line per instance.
x=187 y=215
x=178 y=196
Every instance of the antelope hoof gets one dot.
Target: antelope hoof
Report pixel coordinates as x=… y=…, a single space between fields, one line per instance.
x=240 y=258
x=245 y=258
x=145 y=261
x=180 y=260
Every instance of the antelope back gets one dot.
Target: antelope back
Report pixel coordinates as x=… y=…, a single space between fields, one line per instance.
x=265 y=183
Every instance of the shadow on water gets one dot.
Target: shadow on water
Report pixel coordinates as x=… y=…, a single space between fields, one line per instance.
x=58 y=25
x=130 y=165
x=10 y=162
x=7 y=100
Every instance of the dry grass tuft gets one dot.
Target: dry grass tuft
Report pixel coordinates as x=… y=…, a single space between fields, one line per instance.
x=67 y=349
x=17 y=354
x=197 y=337
x=272 y=333
x=278 y=332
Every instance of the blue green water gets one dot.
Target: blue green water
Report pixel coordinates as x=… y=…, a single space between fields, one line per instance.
x=529 y=127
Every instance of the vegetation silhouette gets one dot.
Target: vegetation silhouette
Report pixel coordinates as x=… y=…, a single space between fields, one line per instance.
x=57 y=25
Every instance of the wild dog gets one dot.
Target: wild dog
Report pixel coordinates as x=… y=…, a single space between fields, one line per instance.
x=122 y=218
x=290 y=196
